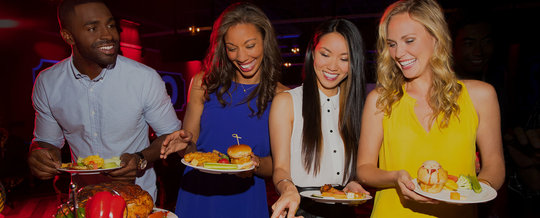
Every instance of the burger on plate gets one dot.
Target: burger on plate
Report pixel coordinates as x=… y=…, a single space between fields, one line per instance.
x=240 y=155
x=432 y=177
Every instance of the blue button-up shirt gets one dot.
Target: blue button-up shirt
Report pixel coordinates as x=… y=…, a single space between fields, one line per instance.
x=108 y=115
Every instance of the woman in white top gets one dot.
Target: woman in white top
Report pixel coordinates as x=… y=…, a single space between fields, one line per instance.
x=315 y=128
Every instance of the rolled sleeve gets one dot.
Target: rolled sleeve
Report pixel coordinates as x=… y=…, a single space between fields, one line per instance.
x=46 y=128
x=158 y=109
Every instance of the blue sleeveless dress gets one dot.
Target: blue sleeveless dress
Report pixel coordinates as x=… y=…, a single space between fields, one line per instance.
x=222 y=195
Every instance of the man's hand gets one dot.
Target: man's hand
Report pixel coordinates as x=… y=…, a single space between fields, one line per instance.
x=44 y=159
x=130 y=167
x=175 y=142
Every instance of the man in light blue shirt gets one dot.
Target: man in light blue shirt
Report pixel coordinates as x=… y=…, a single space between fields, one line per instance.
x=99 y=102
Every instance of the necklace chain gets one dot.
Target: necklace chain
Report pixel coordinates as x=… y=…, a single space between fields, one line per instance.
x=244 y=88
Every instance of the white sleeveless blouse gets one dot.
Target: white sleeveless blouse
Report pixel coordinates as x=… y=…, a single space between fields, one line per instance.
x=332 y=163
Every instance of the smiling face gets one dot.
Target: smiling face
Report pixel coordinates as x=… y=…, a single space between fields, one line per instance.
x=92 y=33
x=473 y=48
x=244 y=46
x=331 y=62
x=410 y=45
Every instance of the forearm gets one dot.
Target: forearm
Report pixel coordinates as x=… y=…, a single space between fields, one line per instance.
x=372 y=176
x=493 y=174
x=152 y=152
x=42 y=145
x=36 y=145
x=265 y=167
x=283 y=182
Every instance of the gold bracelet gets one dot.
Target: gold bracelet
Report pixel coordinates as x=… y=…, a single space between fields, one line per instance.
x=485 y=181
x=288 y=180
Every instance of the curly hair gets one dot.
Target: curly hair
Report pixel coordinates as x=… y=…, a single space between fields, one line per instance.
x=220 y=71
x=445 y=88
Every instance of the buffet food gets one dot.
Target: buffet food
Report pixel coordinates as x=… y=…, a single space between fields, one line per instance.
x=138 y=203
x=329 y=191
x=239 y=157
x=432 y=177
x=199 y=158
x=92 y=162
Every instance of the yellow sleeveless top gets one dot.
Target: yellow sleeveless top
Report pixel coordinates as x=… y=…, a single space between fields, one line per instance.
x=406 y=145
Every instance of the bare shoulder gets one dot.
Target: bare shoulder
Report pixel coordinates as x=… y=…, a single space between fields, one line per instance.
x=282 y=98
x=479 y=90
x=280 y=88
x=372 y=97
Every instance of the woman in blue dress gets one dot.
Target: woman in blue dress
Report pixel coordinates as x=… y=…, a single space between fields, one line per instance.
x=231 y=96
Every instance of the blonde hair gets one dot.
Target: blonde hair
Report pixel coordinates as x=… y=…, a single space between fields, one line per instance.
x=445 y=88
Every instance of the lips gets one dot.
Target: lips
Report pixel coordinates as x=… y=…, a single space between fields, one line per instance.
x=406 y=64
x=247 y=67
x=107 y=49
x=330 y=76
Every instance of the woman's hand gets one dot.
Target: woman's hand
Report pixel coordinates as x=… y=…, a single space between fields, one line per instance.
x=175 y=142
x=286 y=205
x=256 y=163
x=354 y=186
x=405 y=187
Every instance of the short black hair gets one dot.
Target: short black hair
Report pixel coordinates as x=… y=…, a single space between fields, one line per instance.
x=66 y=8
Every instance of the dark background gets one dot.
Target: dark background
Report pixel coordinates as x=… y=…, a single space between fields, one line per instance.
x=167 y=45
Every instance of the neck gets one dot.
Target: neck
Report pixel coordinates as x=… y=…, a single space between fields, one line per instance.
x=248 y=81
x=86 y=67
x=419 y=86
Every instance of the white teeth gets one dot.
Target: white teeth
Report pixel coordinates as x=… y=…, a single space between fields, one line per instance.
x=247 y=66
x=106 y=47
x=330 y=76
x=405 y=63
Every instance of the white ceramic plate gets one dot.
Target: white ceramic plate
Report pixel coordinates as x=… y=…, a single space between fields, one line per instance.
x=216 y=171
x=466 y=196
x=169 y=214
x=316 y=196
x=88 y=172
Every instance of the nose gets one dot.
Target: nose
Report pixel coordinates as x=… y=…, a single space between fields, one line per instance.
x=242 y=55
x=333 y=65
x=107 y=33
x=477 y=49
x=400 y=51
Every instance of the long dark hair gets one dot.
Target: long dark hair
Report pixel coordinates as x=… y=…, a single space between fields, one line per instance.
x=220 y=72
x=352 y=97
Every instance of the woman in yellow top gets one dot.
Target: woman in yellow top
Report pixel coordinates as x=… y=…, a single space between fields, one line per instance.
x=420 y=111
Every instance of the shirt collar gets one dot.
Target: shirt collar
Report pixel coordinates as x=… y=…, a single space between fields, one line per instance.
x=79 y=75
x=333 y=101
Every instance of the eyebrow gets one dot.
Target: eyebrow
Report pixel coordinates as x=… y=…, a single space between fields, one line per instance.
x=244 y=42
x=403 y=37
x=97 y=21
x=344 y=53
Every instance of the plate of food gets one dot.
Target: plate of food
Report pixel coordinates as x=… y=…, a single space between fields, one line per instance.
x=435 y=182
x=161 y=213
x=238 y=160
x=330 y=195
x=92 y=164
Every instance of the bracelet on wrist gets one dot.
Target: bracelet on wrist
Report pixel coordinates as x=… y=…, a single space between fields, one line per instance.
x=485 y=181
x=284 y=180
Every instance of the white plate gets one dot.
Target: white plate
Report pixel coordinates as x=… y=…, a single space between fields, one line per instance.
x=316 y=196
x=467 y=196
x=88 y=172
x=169 y=215
x=216 y=171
